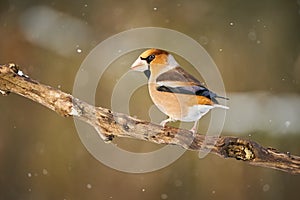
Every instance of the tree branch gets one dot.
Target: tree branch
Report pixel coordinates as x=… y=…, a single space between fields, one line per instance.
x=111 y=124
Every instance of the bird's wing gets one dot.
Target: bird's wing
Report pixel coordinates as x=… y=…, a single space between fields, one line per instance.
x=179 y=81
x=179 y=75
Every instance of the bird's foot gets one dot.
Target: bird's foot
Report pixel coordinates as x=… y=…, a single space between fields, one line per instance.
x=194 y=128
x=164 y=122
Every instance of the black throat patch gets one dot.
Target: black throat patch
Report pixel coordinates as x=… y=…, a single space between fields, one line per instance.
x=147 y=73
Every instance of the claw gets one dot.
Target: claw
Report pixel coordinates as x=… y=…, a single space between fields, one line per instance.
x=163 y=123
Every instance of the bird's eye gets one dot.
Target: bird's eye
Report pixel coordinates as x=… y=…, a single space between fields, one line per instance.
x=149 y=58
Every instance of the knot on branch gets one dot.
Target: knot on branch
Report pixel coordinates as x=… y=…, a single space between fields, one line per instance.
x=15 y=68
x=238 y=149
x=12 y=69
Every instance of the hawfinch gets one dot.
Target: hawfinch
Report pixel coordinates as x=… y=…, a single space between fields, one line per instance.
x=174 y=91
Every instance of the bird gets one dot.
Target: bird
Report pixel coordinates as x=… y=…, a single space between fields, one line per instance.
x=174 y=91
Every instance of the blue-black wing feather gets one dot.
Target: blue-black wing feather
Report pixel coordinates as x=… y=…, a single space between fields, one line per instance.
x=194 y=87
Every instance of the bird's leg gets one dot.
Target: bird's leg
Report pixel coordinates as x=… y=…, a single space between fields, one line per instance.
x=194 y=128
x=163 y=123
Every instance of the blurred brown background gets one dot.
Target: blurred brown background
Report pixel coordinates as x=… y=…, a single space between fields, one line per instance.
x=255 y=44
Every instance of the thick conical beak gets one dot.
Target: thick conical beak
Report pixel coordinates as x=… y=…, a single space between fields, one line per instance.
x=139 y=65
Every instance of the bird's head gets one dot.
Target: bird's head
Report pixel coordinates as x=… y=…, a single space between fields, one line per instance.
x=154 y=60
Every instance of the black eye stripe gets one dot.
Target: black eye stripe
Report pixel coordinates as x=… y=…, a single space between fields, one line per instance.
x=149 y=58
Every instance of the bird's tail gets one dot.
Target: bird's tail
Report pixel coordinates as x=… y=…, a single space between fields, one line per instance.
x=217 y=105
x=220 y=97
x=221 y=106
x=214 y=97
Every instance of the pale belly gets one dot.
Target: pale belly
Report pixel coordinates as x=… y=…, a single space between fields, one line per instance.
x=196 y=112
